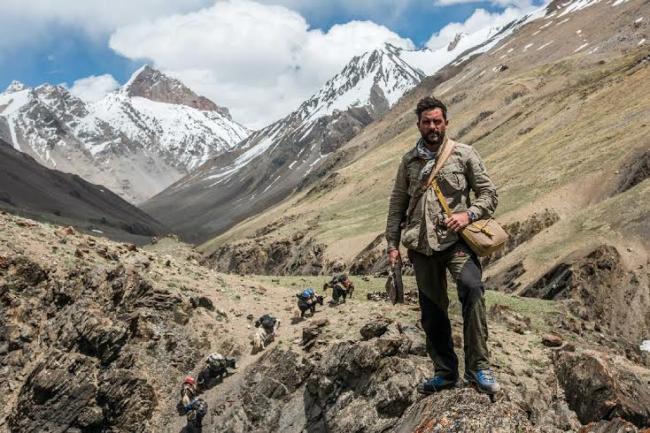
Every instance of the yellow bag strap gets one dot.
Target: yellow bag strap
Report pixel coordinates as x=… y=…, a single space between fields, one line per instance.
x=441 y=198
x=445 y=206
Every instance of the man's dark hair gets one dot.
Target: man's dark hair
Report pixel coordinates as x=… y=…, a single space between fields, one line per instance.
x=428 y=103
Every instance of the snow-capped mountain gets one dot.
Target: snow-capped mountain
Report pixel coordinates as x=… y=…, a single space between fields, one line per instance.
x=136 y=141
x=272 y=162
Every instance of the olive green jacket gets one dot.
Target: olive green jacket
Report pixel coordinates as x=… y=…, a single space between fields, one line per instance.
x=424 y=230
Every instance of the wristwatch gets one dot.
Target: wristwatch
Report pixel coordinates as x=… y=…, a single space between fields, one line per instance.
x=472 y=216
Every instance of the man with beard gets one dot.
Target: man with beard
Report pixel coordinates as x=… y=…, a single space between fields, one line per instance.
x=434 y=244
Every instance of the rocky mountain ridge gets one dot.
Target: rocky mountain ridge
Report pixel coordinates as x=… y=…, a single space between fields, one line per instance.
x=135 y=141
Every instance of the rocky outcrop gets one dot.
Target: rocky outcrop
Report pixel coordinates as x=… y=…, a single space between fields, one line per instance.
x=81 y=348
x=68 y=390
x=634 y=171
x=597 y=388
x=298 y=255
x=463 y=411
x=598 y=287
x=372 y=259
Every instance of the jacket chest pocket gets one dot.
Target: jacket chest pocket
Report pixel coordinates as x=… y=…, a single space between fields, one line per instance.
x=453 y=177
x=413 y=173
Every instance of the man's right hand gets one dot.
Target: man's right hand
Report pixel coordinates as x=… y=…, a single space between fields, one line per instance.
x=394 y=258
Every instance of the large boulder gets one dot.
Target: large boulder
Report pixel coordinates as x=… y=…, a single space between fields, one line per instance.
x=66 y=391
x=598 y=388
x=56 y=395
x=463 y=411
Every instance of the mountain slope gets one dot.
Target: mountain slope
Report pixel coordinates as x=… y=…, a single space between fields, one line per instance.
x=274 y=161
x=30 y=189
x=136 y=141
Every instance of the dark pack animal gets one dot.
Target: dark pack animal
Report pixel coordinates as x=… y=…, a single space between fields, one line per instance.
x=341 y=287
x=308 y=303
x=216 y=366
x=196 y=410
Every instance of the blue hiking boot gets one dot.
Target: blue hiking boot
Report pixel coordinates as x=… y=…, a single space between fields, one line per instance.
x=435 y=384
x=484 y=380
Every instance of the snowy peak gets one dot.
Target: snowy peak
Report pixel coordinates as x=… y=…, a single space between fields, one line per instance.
x=152 y=84
x=135 y=141
x=15 y=86
x=378 y=76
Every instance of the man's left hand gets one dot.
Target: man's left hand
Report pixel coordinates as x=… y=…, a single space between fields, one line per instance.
x=458 y=221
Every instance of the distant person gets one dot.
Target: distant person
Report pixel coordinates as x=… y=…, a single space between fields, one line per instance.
x=188 y=391
x=216 y=365
x=434 y=245
x=267 y=327
x=307 y=300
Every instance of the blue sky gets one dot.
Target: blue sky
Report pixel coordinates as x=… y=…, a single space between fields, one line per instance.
x=225 y=49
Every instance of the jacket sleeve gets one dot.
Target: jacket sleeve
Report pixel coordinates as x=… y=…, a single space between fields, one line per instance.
x=399 y=200
x=487 y=198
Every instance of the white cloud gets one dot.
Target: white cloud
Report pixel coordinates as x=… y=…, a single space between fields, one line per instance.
x=94 y=88
x=521 y=4
x=94 y=16
x=479 y=23
x=259 y=60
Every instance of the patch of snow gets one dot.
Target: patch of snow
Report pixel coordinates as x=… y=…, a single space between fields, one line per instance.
x=638 y=20
x=578 y=32
x=15 y=86
x=14 y=138
x=645 y=345
x=618 y=2
x=563 y=21
x=133 y=77
x=96 y=231
x=536 y=33
x=578 y=5
x=580 y=47
x=271 y=184
x=544 y=46
x=593 y=50
x=243 y=159
x=292 y=164
x=14 y=101
x=496 y=50
x=546 y=25
x=641 y=42
x=316 y=160
x=527 y=46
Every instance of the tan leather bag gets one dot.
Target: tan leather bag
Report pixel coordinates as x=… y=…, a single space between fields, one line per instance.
x=483 y=236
